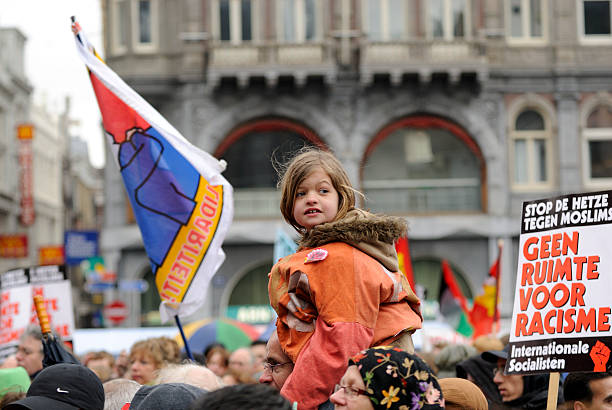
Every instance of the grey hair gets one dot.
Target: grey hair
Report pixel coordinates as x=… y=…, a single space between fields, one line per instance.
x=189 y=373
x=118 y=392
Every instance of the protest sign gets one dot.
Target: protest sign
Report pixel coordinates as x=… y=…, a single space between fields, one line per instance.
x=561 y=317
x=17 y=287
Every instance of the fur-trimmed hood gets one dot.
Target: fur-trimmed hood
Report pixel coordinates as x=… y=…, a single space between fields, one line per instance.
x=373 y=234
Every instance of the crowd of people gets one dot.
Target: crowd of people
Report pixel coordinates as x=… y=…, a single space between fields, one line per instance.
x=154 y=374
x=343 y=338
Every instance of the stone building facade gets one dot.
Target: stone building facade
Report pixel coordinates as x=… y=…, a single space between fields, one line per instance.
x=448 y=112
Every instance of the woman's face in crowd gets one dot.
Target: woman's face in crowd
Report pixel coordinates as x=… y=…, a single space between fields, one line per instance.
x=216 y=364
x=510 y=386
x=142 y=368
x=346 y=399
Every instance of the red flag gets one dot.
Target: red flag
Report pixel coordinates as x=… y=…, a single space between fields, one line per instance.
x=453 y=304
x=405 y=262
x=485 y=314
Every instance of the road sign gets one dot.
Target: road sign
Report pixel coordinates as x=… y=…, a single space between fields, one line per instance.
x=116 y=312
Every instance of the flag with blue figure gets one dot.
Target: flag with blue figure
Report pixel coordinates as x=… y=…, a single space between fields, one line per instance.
x=181 y=202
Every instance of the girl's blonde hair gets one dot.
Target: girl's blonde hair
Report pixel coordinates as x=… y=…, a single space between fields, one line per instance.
x=299 y=167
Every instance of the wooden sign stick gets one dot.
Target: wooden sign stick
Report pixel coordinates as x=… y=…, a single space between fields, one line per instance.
x=553 y=390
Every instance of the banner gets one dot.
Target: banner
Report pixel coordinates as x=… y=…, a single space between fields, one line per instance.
x=17 y=311
x=25 y=133
x=561 y=317
x=182 y=204
x=13 y=246
x=51 y=255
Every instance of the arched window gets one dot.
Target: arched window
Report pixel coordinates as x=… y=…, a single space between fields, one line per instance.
x=597 y=136
x=423 y=164
x=249 y=301
x=250 y=151
x=530 y=148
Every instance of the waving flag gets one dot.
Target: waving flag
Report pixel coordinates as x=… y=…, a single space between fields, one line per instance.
x=453 y=304
x=405 y=262
x=485 y=314
x=182 y=204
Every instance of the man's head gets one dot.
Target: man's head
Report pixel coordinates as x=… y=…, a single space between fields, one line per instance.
x=242 y=361
x=278 y=366
x=189 y=373
x=63 y=386
x=510 y=386
x=588 y=390
x=117 y=392
x=30 y=350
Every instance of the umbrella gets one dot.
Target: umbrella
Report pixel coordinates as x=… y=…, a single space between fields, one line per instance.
x=231 y=333
x=53 y=349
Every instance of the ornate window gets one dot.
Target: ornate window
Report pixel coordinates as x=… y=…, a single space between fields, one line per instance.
x=526 y=21
x=120 y=12
x=233 y=20
x=250 y=151
x=385 y=20
x=594 y=19
x=299 y=21
x=145 y=25
x=530 y=150
x=597 y=145
x=448 y=19
x=423 y=164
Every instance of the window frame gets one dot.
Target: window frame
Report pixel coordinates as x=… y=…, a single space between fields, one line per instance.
x=591 y=39
x=526 y=39
x=235 y=15
x=299 y=22
x=545 y=110
x=593 y=134
x=385 y=26
x=447 y=23
x=152 y=46
x=119 y=48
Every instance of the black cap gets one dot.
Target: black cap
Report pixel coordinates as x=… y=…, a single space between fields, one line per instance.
x=63 y=386
x=176 y=396
x=493 y=355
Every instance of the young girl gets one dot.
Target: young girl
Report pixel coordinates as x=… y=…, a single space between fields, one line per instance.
x=341 y=292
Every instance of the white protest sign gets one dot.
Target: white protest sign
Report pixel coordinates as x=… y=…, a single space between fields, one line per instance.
x=17 y=288
x=562 y=317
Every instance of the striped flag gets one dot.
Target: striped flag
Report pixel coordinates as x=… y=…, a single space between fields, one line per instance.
x=182 y=204
x=485 y=312
x=453 y=304
x=405 y=263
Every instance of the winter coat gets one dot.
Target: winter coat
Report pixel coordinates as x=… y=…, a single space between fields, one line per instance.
x=340 y=293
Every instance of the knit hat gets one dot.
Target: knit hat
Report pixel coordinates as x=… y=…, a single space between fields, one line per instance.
x=15 y=379
x=395 y=378
x=63 y=386
x=462 y=394
x=176 y=396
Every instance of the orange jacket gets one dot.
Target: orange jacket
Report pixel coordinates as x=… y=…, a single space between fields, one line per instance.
x=333 y=301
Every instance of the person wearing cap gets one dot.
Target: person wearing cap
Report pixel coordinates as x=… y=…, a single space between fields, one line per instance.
x=386 y=377
x=15 y=379
x=518 y=391
x=462 y=394
x=175 y=396
x=63 y=386
x=588 y=391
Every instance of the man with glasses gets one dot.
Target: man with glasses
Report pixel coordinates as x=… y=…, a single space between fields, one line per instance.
x=277 y=366
x=30 y=351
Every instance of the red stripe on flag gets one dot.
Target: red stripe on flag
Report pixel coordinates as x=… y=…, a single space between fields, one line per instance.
x=405 y=262
x=453 y=286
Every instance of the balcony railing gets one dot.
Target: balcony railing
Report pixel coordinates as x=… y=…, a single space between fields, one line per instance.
x=424 y=196
x=256 y=203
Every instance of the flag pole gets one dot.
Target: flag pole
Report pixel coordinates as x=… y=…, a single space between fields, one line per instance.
x=496 y=318
x=180 y=327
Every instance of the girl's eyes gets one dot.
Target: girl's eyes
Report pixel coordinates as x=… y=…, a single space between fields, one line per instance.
x=300 y=193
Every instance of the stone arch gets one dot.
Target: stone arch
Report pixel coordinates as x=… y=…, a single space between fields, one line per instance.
x=601 y=98
x=535 y=102
x=300 y=112
x=468 y=116
x=235 y=279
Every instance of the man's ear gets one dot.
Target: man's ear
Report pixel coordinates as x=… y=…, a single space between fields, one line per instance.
x=578 y=405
